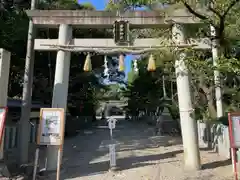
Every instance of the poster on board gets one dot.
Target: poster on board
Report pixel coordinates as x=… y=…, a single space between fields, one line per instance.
x=234 y=136
x=234 y=126
x=3 y=115
x=51 y=126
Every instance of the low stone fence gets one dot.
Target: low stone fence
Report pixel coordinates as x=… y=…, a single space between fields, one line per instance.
x=214 y=136
x=11 y=135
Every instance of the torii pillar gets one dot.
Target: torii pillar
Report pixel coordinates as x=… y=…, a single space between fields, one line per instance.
x=60 y=90
x=188 y=123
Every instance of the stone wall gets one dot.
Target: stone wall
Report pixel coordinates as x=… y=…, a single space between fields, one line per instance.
x=214 y=136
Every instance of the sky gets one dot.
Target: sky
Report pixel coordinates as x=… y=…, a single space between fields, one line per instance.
x=100 y=5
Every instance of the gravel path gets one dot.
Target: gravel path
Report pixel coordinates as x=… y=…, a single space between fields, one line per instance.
x=140 y=156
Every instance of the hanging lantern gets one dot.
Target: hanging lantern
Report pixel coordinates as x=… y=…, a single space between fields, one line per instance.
x=121 y=62
x=88 y=64
x=151 y=64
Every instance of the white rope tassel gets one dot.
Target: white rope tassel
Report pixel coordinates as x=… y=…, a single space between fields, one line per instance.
x=135 y=66
x=106 y=70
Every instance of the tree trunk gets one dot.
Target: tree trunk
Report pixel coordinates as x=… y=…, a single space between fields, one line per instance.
x=208 y=91
x=211 y=106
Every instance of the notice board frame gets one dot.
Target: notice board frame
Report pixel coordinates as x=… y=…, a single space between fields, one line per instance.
x=40 y=139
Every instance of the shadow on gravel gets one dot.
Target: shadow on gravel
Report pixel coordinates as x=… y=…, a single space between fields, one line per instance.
x=144 y=139
x=216 y=164
x=208 y=176
x=133 y=162
x=122 y=164
x=206 y=149
x=138 y=143
x=82 y=150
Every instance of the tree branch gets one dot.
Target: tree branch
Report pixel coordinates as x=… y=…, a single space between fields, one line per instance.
x=195 y=13
x=233 y=3
x=205 y=89
x=215 y=11
x=222 y=20
x=190 y=9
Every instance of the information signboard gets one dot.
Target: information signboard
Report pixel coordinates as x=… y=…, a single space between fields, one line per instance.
x=234 y=126
x=51 y=126
x=3 y=114
x=234 y=134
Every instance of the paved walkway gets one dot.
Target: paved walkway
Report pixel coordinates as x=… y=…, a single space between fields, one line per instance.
x=140 y=156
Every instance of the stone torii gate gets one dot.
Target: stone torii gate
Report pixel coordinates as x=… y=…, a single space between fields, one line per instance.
x=68 y=19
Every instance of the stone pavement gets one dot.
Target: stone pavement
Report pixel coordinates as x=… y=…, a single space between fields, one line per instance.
x=140 y=156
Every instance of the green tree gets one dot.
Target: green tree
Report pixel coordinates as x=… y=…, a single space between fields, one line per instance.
x=144 y=90
x=13 y=36
x=224 y=16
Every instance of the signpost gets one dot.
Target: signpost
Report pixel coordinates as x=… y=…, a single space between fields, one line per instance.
x=112 y=149
x=111 y=125
x=112 y=152
x=51 y=133
x=234 y=133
